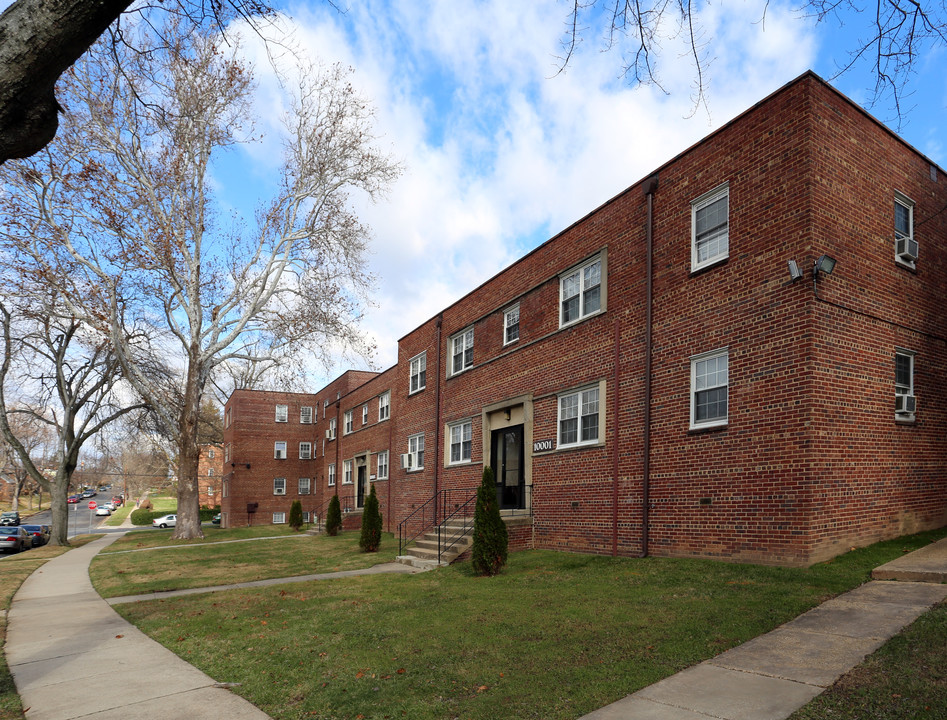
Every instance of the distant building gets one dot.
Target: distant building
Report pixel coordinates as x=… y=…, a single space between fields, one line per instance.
x=672 y=374
x=210 y=472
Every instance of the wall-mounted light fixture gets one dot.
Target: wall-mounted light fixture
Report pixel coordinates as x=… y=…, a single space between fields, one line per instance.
x=824 y=264
x=794 y=272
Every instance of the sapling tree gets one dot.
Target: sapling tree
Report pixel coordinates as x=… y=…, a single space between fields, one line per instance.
x=333 y=517
x=490 y=538
x=372 y=524
x=296 y=515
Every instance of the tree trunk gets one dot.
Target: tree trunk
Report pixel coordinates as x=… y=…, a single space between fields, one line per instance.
x=59 y=509
x=188 y=523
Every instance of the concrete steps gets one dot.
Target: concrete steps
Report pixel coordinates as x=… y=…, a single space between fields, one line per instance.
x=423 y=552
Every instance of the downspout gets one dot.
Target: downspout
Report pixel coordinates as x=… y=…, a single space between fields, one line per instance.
x=616 y=377
x=437 y=418
x=650 y=187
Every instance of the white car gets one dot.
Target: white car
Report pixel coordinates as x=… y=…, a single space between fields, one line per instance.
x=110 y=506
x=164 y=522
x=102 y=510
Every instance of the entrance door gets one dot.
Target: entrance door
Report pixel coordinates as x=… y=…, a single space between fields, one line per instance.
x=361 y=485
x=506 y=458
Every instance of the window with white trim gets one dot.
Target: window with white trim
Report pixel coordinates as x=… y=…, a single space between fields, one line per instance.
x=305 y=516
x=211 y=453
x=227 y=452
x=279 y=518
x=282 y=413
x=349 y=425
x=382 y=473
x=210 y=472
x=305 y=415
x=462 y=346
x=364 y=414
x=580 y=292
x=305 y=450
x=461 y=435
x=710 y=382
x=578 y=418
x=347 y=466
x=905 y=246
x=279 y=450
x=710 y=227
x=210 y=491
x=279 y=486
x=416 y=452
x=418 y=371
x=905 y=401
x=304 y=486
x=511 y=325
x=384 y=406
x=332 y=429
x=331 y=474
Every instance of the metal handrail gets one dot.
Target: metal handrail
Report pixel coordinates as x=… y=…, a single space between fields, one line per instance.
x=346 y=504
x=427 y=516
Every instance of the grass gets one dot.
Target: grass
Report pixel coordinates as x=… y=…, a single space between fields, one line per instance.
x=905 y=679
x=14 y=569
x=554 y=636
x=212 y=561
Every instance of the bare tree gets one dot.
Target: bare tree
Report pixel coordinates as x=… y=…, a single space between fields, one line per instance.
x=893 y=36
x=35 y=438
x=123 y=197
x=65 y=381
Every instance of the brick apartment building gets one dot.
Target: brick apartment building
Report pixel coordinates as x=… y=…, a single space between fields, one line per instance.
x=659 y=378
x=210 y=472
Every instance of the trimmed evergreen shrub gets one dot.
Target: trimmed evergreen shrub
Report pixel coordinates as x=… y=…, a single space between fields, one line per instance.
x=334 y=517
x=296 y=515
x=490 y=539
x=371 y=524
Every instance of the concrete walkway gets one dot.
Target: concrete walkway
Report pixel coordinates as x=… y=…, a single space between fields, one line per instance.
x=65 y=643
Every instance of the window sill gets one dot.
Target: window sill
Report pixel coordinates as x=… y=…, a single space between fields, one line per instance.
x=910 y=267
x=905 y=419
x=701 y=429
x=709 y=265
x=563 y=326
x=578 y=446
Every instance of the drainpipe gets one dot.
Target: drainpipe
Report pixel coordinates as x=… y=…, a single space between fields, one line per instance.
x=437 y=417
x=650 y=187
x=616 y=411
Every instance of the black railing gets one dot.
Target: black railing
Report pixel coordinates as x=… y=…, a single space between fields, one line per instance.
x=346 y=504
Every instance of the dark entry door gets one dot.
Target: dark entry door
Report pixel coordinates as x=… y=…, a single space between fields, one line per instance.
x=506 y=458
x=361 y=488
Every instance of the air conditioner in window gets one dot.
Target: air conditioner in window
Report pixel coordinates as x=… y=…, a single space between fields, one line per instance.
x=906 y=248
x=905 y=404
x=279 y=455
x=328 y=436
x=406 y=461
x=279 y=491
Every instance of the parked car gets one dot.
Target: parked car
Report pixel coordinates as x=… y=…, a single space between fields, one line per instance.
x=11 y=517
x=15 y=539
x=89 y=493
x=110 y=505
x=164 y=521
x=216 y=519
x=117 y=501
x=102 y=510
x=39 y=534
x=73 y=499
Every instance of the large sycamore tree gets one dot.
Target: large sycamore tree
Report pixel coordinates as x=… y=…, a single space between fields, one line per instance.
x=123 y=199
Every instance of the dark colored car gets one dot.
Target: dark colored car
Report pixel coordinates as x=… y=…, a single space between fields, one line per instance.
x=39 y=533
x=11 y=517
x=216 y=519
x=15 y=539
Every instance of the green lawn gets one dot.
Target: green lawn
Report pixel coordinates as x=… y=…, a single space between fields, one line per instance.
x=554 y=636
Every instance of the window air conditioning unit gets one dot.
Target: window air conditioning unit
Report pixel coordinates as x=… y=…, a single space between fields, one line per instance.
x=905 y=404
x=406 y=461
x=328 y=436
x=906 y=248
x=279 y=491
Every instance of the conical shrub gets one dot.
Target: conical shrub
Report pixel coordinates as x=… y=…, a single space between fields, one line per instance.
x=490 y=540
x=371 y=524
x=334 y=517
x=296 y=515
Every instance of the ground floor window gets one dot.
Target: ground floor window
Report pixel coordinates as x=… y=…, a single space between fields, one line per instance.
x=460 y=442
x=578 y=417
x=382 y=465
x=710 y=381
x=279 y=518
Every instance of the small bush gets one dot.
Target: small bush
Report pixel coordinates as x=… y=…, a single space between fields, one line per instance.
x=490 y=540
x=296 y=515
x=334 y=517
x=146 y=505
x=141 y=516
x=371 y=524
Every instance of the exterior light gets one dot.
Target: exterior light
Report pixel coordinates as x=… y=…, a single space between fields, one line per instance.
x=794 y=272
x=825 y=264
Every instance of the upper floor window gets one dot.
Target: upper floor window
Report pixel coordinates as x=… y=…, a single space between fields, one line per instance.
x=279 y=486
x=384 y=406
x=462 y=351
x=332 y=426
x=227 y=452
x=905 y=403
x=305 y=415
x=578 y=418
x=383 y=465
x=460 y=442
x=282 y=413
x=415 y=452
x=347 y=472
x=349 y=422
x=710 y=380
x=210 y=472
x=905 y=246
x=331 y=474
x=710 y=228
x=511 y=325
x=305 y=450
x=580 y=292
x=418 y=372
x=210 y=454
x=304 y=486
x=228 y=417
x=279 y=450
x=364 y=414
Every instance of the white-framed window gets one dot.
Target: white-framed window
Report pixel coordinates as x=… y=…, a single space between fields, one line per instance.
x=347 y=467
x=349 y=425
x=511 y=324
x=305 y=450
x=418 y=373
x=305 y=516
x=305 y=415
x=228 y=449
x=580 y=292
x=710 y=382
x=325 y=408
x=279 y=518
x=279 y=486
x=905 y=246
x=382 y=473
x=416 y=452
x=210 y=454
x=331 y=474
x=364 y=414
x=461 y=435
x=279 y=450
x=578 y=418
x=462 y=346
x=210 y=472
x=332 y=429
x=905 y=401
x=710 y=227
x=282 y=413
x=384 y=406
x=228 y=417
x=210 y=491
x=304 y=486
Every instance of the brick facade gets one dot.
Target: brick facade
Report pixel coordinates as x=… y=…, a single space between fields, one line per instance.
x=807 y=456
x=210 y=471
